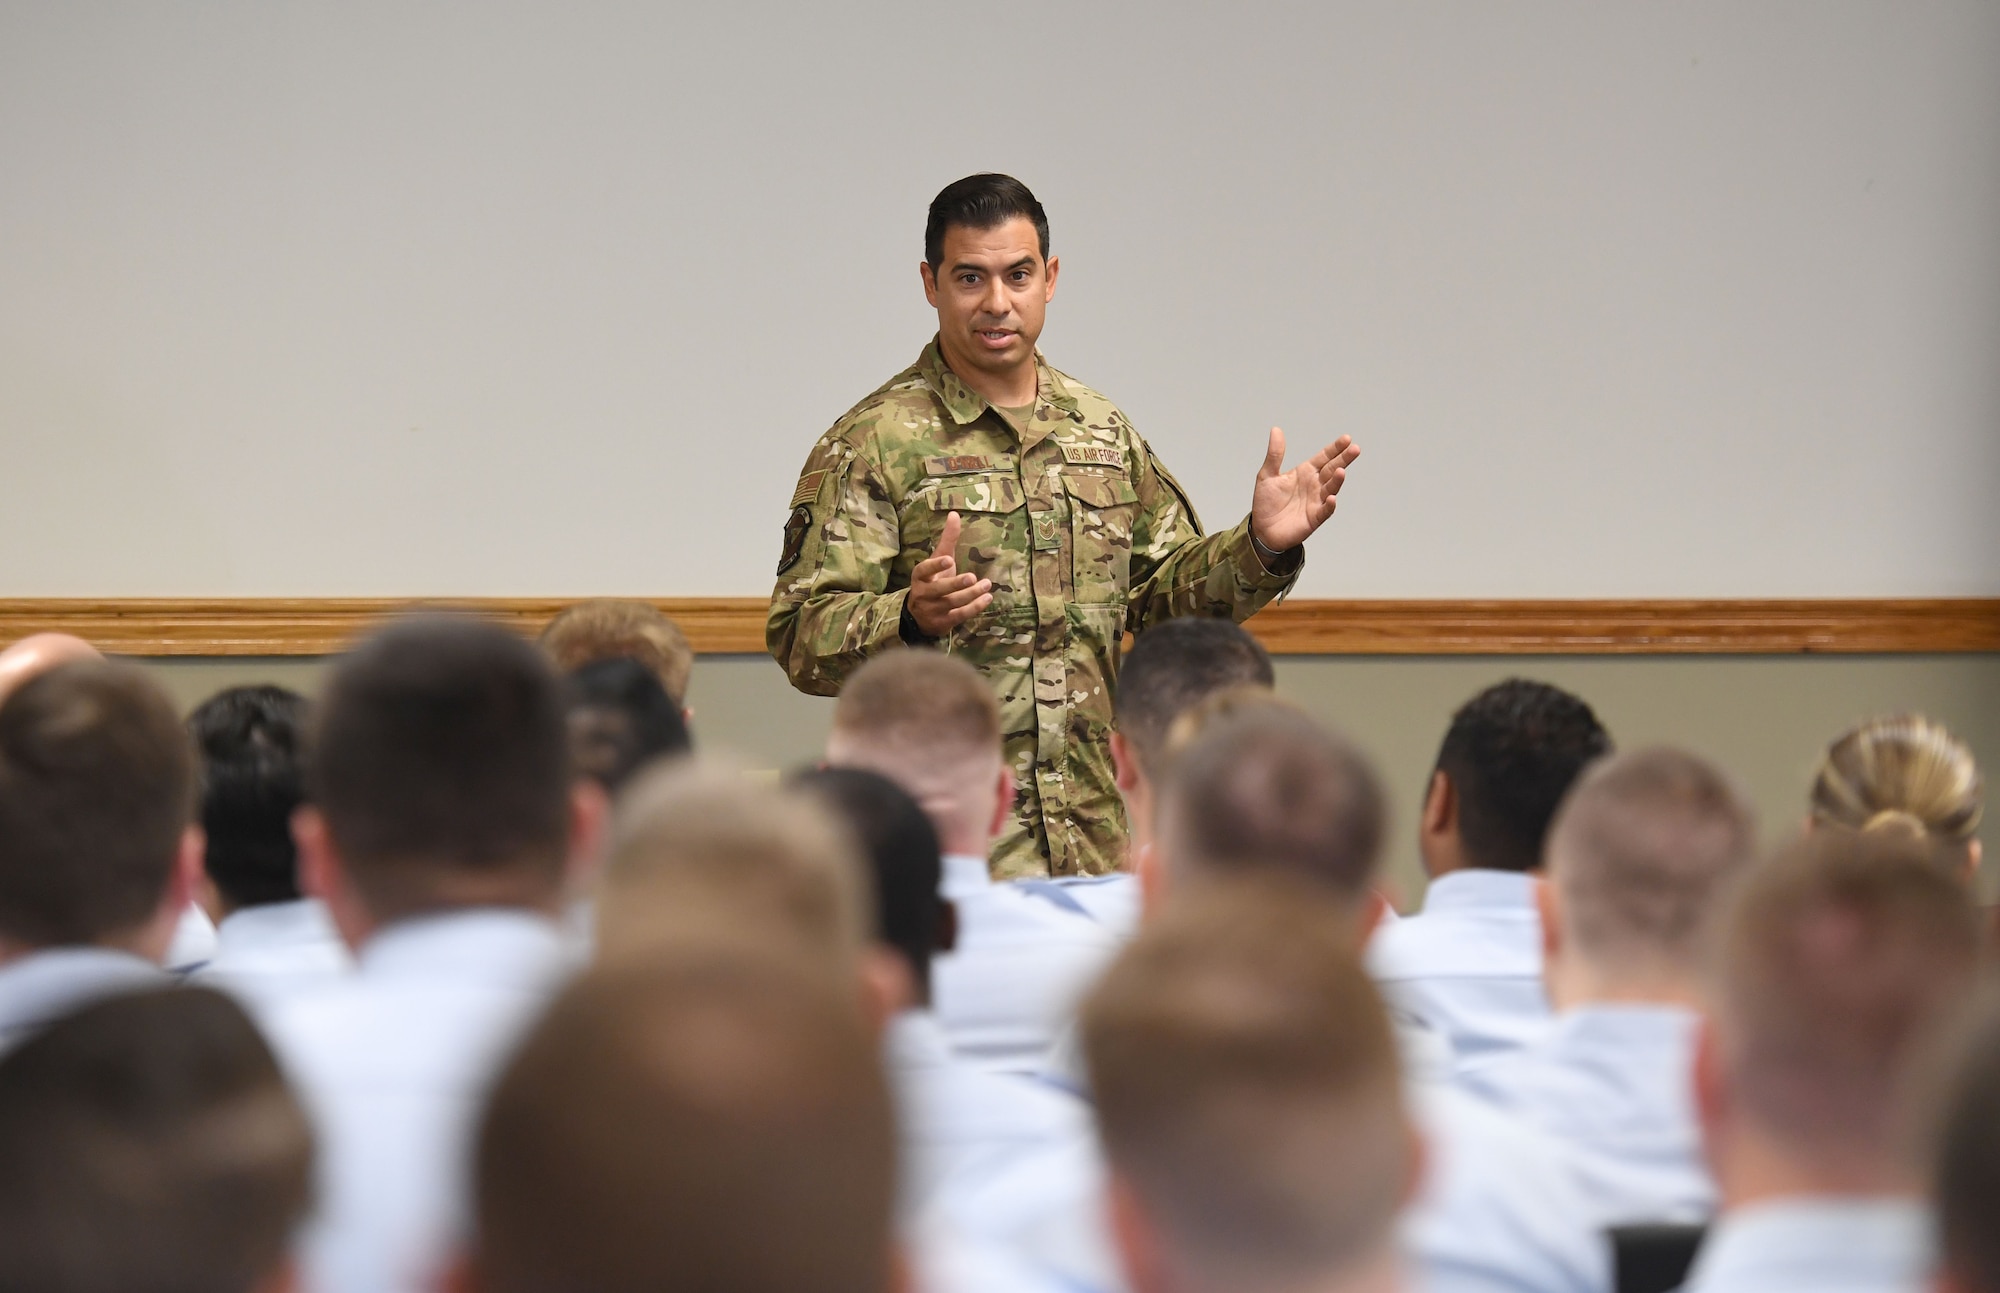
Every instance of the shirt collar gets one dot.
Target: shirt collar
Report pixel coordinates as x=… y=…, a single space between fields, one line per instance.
x=1480 y=889
x=274 y=924
x=915 y=1039
x=1825 y=1242
x=963 y=876
x=45 y=985
x=965 y=404
x=489 y=944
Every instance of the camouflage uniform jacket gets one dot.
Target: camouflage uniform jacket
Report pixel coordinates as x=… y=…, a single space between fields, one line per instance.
x=1084 y=535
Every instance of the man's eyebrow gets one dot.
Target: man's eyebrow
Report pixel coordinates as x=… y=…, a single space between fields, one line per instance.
x=1026 y=262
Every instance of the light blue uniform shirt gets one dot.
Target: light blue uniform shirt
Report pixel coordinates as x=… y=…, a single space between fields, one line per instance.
x=193 y=944
x=393 y=1065
x=1817 y=1245
x=961 y=1125
x=41 y=987
x=1022 y=962
x=1614 y=1083
x=1113 y=901
x=268 y=954
x=1469 y=965
x=1500 y=1210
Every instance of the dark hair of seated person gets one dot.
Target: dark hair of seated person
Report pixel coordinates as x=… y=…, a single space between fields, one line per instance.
x=900 y=846
x=252 y=742
x=620 y=720
x=1174 y=666
x=149 y=1144
x=440 y=750
x=96 y=788
x=1512 y=752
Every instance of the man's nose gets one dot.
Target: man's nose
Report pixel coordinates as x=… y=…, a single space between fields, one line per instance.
x=996 y=302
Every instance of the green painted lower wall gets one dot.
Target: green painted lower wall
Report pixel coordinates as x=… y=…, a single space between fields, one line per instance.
x=1765 y=718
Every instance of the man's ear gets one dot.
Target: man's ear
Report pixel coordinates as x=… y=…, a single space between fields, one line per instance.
x=589 y=827
x=1049 y=293
x=1003 y=802
x=886 y=987
x=930 y=283
x=323 y=875
x=1124 y=763
x=1548 y=905
x=1440 y=811
x=1152 y=875
x=1373 y=907
x=1133 y=1235
x=1711 y=1089
x=190 y=870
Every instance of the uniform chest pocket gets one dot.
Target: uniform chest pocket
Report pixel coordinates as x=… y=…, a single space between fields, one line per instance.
x=1102 y=510
x=993 y=530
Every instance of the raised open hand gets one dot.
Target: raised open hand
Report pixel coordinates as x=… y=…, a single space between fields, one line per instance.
x=1287 y=506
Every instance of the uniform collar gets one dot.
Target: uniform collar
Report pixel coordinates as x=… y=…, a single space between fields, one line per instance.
x=1826 y=1242
x=965 y=404
x=43 y=985
x=963 y=876
x=1480 y=889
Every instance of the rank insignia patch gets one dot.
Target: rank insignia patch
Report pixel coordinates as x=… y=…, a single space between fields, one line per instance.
x=797 y=526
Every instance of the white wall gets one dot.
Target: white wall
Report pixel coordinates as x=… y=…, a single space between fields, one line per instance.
x=1634 y=299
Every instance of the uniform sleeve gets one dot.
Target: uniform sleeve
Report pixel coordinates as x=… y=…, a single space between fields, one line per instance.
x=1178 y=571
x=832 y=607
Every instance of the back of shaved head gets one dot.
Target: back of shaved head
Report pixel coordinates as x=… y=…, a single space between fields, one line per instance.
x=712 y=1120
x=39 y=653
x=1640 y=853
x=930 y=723
x=1262 y=786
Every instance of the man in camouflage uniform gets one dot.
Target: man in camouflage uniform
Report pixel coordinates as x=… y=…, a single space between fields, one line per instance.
x=987 y=504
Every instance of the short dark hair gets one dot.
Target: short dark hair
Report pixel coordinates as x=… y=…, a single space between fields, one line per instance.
x=1173 y=667
x=1512 y=752
x=148 y=1144
x=901 y=848
x=251 y=741
x=1266 y=788
x=1967 y=1157
x=981 y=201
x=96 y=787
x=441 y=746
x=621 y=718
x=710 y=1117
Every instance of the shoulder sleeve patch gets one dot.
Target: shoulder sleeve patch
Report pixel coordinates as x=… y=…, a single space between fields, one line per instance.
x=808 y=487
x=797 y=526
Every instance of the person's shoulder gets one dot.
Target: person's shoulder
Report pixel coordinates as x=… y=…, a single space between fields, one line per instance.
x=906 y=407
x=1096 y=408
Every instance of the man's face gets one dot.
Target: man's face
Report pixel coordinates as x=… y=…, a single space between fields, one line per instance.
x=991 y=289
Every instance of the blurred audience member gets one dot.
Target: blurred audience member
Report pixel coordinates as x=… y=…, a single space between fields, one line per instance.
x=1836 y=964
x=696 y=850
x=608 y=629
x=1024 y=953
x=1255 y=789
x=271 y=940
x=1470 y=964
x=1253 y=1115
x=1905 y=775
x=440 y=819
x=707 y=1117
x=98 y=858
x=148 y=1144
x=1171 y=668
x=620 y=720
x=961 y=1125
x=1638 y=858
x=194 y=934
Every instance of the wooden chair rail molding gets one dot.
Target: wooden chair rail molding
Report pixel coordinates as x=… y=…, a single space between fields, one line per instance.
x=320 y=626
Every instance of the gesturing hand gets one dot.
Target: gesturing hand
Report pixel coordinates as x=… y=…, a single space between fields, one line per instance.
x=1287 y=506
x=940 y=598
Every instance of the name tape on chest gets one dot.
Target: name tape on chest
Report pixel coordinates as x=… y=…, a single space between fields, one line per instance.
x=1093 y=455
x=963 y=464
